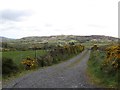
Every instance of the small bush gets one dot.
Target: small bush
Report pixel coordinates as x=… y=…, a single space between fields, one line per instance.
x=30 y=63
x=8 y=66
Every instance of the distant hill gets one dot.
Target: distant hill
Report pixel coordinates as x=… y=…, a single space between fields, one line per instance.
x=61 y=38
x=68 y=38
x=5 y=39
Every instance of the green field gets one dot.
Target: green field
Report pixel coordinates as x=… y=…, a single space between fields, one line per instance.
x=18 y=56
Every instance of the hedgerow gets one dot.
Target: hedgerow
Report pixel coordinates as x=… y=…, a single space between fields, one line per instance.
x=104 y=65
x=59 y=53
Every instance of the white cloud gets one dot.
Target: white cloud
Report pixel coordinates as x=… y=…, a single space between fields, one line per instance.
x=54 y=17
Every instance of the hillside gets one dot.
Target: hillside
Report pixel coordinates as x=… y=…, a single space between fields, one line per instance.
x=26 y=43
x=5 y=39
x=61 y=37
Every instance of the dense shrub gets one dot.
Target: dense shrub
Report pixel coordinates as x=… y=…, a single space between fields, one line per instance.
x=55 y=55
x=29 y=63
x=95 y=47
x=8 y=66
x=112 y=61
x=58 y=54
x=101 y=71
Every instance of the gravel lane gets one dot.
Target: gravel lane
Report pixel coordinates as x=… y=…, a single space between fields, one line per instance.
x=68 y=74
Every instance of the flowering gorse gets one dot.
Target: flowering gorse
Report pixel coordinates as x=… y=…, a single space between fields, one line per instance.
x=112 y=60
x=30 y=63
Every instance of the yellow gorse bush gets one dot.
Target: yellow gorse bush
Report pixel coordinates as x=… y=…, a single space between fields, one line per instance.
x=113 y=57
x=30 y=63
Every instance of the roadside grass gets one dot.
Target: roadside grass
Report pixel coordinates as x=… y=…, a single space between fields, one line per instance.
x=96 y=75
x=7 y=79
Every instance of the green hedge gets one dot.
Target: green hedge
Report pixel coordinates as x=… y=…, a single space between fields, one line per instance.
x=58 y=54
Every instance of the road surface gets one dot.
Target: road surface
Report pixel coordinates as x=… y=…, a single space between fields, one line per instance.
x=68 y=74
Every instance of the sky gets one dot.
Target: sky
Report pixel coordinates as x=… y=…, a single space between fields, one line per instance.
x=22 y=18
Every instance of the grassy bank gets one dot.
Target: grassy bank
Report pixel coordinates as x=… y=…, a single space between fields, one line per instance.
x=96 y=74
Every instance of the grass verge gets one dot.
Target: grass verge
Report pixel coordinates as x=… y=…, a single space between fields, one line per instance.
x=7 y=79
x=96 y=75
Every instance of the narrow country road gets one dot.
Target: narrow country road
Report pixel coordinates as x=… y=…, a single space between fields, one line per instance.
x=68 y=74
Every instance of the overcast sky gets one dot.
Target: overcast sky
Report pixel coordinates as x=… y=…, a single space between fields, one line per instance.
x=21 y=18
